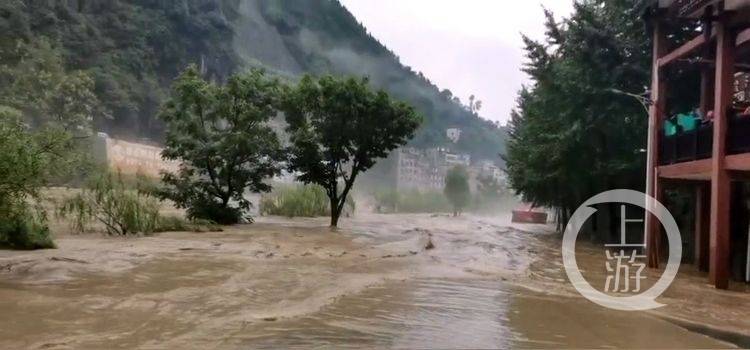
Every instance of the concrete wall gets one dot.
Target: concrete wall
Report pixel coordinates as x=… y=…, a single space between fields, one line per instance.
x=132 y=158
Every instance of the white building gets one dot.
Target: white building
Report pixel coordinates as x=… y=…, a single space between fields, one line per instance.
x=453 y=134
x=426 y=169
x=487 y=168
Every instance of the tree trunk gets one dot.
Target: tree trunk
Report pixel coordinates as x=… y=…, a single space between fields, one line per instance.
x=335 y=220
x=335 y=213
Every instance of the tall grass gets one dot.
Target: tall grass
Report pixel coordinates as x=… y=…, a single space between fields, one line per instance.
x=123 y=207
x=410 y=201
x=108 y=200
x=299 y=201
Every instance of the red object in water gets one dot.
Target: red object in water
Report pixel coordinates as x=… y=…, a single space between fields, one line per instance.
x=528 y=215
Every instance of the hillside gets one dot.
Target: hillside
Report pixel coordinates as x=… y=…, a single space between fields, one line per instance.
x=134 y=48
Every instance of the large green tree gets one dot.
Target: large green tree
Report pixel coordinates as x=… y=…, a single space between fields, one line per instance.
x=339 y=128
x=221 y=135
x=573 y=133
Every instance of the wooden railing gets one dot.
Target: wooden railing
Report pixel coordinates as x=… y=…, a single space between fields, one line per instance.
x=687 y=146
x=738 y=135
x=697 y=144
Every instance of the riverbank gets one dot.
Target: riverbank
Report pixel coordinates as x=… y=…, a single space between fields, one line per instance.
x=379 y=281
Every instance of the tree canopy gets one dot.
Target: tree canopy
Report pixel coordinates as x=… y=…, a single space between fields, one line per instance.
x=573 y=134
x=339 y=128
x=221 y=136
x=457 y=188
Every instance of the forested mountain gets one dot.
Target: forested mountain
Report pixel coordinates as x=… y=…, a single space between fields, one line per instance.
x=133 y=49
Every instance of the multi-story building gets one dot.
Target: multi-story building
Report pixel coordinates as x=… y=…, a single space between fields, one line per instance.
x=488 y=169
x=427 y=169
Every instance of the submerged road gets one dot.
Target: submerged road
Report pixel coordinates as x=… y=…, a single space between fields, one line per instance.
x=294 y=283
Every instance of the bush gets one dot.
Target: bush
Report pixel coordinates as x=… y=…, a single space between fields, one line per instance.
x=209 y=210
x=108 y=201
x=299 y=201
x=178 y=224
x=22 y=227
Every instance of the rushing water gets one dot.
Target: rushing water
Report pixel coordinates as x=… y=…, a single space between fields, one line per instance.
x=415 y=314
x=276 y=285
x=477 y=314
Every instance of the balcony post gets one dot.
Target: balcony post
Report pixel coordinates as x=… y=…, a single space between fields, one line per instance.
x=707 y=90
x=658 y=98
x=720 y=203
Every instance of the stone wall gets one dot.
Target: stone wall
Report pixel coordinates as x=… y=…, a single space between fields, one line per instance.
x=131 y=157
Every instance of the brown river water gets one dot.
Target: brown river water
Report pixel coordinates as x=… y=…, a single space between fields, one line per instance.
x=398 y=281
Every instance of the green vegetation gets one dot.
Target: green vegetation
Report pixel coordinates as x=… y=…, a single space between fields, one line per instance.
x=108 y=66
x=132 y=50
x=322 y=37
x=457 y=189
x=40 y=137
x=221 y=136
x=339 y=128
x=490 y=198
x=178 y=224
x=411 y=201
x=108 y=201
x=23 y=227
x=572 y=136
x=111 y=200
x=299 y=201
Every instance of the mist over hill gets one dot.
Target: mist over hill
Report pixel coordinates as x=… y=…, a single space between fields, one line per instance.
x=134 y=48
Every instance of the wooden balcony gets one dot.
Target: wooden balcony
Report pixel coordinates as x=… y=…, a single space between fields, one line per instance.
x=687 y=146
x=687 y=155
x=714 y=156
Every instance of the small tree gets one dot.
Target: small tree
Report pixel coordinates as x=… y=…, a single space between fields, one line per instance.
x=457 y=189
x=339 y=128
x=222 y=137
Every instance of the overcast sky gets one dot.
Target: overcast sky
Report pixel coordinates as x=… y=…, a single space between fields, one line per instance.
x=468 y=46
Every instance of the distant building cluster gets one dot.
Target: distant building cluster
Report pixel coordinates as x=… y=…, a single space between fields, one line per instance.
x=426 y=170
x=488 y=169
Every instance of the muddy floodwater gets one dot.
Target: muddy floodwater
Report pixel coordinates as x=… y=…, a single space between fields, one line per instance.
x=398 y=281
